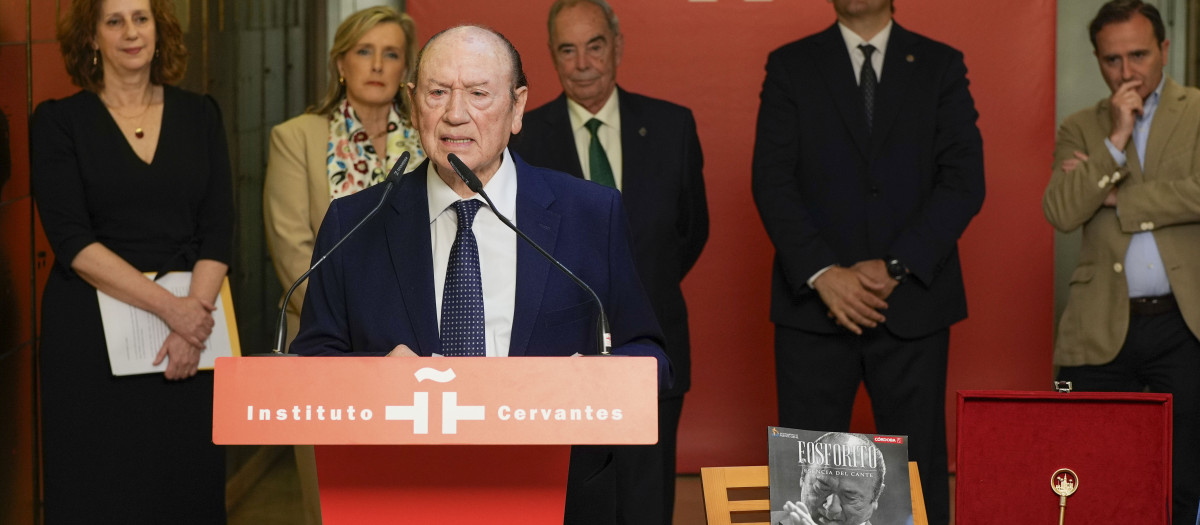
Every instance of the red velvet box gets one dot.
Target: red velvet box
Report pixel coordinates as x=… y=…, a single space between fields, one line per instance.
x=1010 y=443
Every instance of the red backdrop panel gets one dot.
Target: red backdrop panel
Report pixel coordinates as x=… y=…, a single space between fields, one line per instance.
x=709 y=56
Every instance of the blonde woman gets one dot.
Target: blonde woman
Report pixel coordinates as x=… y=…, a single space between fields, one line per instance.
x=346 y=143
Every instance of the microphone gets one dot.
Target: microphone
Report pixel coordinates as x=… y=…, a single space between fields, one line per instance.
x=394 y=177
x=473 y=183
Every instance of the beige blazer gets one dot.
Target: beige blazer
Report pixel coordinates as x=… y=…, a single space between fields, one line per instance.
x=295 y=199
x=1164 y=199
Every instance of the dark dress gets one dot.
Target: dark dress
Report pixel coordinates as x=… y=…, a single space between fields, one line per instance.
x=132 y=449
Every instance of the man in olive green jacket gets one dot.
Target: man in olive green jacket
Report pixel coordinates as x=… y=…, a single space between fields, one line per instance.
x=1128 y=171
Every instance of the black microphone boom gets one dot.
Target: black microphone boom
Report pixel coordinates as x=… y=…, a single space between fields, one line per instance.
x=474 y=184
x=390 y=182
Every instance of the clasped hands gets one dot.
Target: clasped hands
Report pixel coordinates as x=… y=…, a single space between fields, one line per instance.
x=856 y=295
x=191 y=322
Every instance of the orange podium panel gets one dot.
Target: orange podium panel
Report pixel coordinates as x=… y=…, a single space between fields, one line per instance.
x=486 y=434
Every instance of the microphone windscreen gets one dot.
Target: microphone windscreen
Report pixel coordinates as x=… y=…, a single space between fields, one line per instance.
x=399 y=167
x=465 y=173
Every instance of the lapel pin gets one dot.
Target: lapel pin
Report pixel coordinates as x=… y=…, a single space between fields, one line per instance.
x=910 y=58
x=642 y=132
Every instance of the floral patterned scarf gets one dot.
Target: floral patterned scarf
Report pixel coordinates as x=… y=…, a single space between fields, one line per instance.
x=352 y=162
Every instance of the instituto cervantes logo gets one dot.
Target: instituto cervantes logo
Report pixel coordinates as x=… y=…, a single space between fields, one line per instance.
x=418 y=412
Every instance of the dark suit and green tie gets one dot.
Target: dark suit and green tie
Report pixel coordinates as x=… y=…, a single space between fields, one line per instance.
x=660 y=176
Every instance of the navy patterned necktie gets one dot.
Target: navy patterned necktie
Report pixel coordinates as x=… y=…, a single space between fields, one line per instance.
x=462 y=296
x=867 y=82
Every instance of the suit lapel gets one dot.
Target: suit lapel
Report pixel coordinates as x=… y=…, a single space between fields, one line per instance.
x=1166 y=118
x=894 y=86
x=840 y=79
x=540 y=224
x=637 y=137
x=316 y=136
x=1133 y=161
x=407 y=228
x=561 y=142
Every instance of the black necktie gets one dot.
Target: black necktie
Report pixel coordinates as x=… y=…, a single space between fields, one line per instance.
x=867 y=81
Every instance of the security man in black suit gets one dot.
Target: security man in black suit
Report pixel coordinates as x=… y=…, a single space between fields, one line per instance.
x=868 y=166
x=648 y=149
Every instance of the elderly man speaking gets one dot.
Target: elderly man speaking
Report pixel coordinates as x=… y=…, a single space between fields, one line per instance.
x=397 y=287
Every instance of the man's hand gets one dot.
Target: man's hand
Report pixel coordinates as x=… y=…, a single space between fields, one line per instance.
x=402 y=351
x=851 y=298
x=182 y=357
x=1069 y=165
x=1125 y=108
x=876 y=271
x=1110 y=200
x=796 y=514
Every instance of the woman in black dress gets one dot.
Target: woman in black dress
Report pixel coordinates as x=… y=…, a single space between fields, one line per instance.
x=130 y=175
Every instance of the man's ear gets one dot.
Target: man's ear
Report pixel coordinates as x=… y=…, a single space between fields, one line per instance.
x=619 y=41
x=519 y=109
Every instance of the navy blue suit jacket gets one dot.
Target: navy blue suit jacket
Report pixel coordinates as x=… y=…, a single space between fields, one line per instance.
x=376 y=291
x=831 y=192
x=663 y=191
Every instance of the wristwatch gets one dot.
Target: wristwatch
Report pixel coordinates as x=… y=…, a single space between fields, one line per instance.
x=897 y=270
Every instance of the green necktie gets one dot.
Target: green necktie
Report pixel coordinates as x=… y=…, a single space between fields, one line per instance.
x=601 y=170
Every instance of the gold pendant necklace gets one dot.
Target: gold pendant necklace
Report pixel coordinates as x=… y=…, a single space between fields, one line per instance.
x=138 y=131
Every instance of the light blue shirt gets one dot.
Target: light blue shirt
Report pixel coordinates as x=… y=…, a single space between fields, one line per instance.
x=1144 y=272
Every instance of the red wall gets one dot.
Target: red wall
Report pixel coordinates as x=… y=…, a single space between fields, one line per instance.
x=32 y=71
x=709 y=56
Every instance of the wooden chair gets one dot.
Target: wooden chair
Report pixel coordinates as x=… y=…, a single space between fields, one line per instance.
x=741 y=495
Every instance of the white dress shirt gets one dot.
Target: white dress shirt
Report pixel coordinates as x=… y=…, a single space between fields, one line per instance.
x=497 y=249
x=857 y=56
x=609 y=133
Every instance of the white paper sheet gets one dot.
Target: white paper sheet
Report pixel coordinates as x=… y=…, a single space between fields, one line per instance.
x=134 y=336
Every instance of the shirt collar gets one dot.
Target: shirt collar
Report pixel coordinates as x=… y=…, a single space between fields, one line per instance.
x=609 y=114
x=880 y=39
x=502 y=187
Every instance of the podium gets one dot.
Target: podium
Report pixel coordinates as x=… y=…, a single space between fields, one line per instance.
x=1011 y=443
x=438 y=440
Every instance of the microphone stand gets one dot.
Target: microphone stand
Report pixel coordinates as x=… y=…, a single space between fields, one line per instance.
x=474 y=184
x=395 y=175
